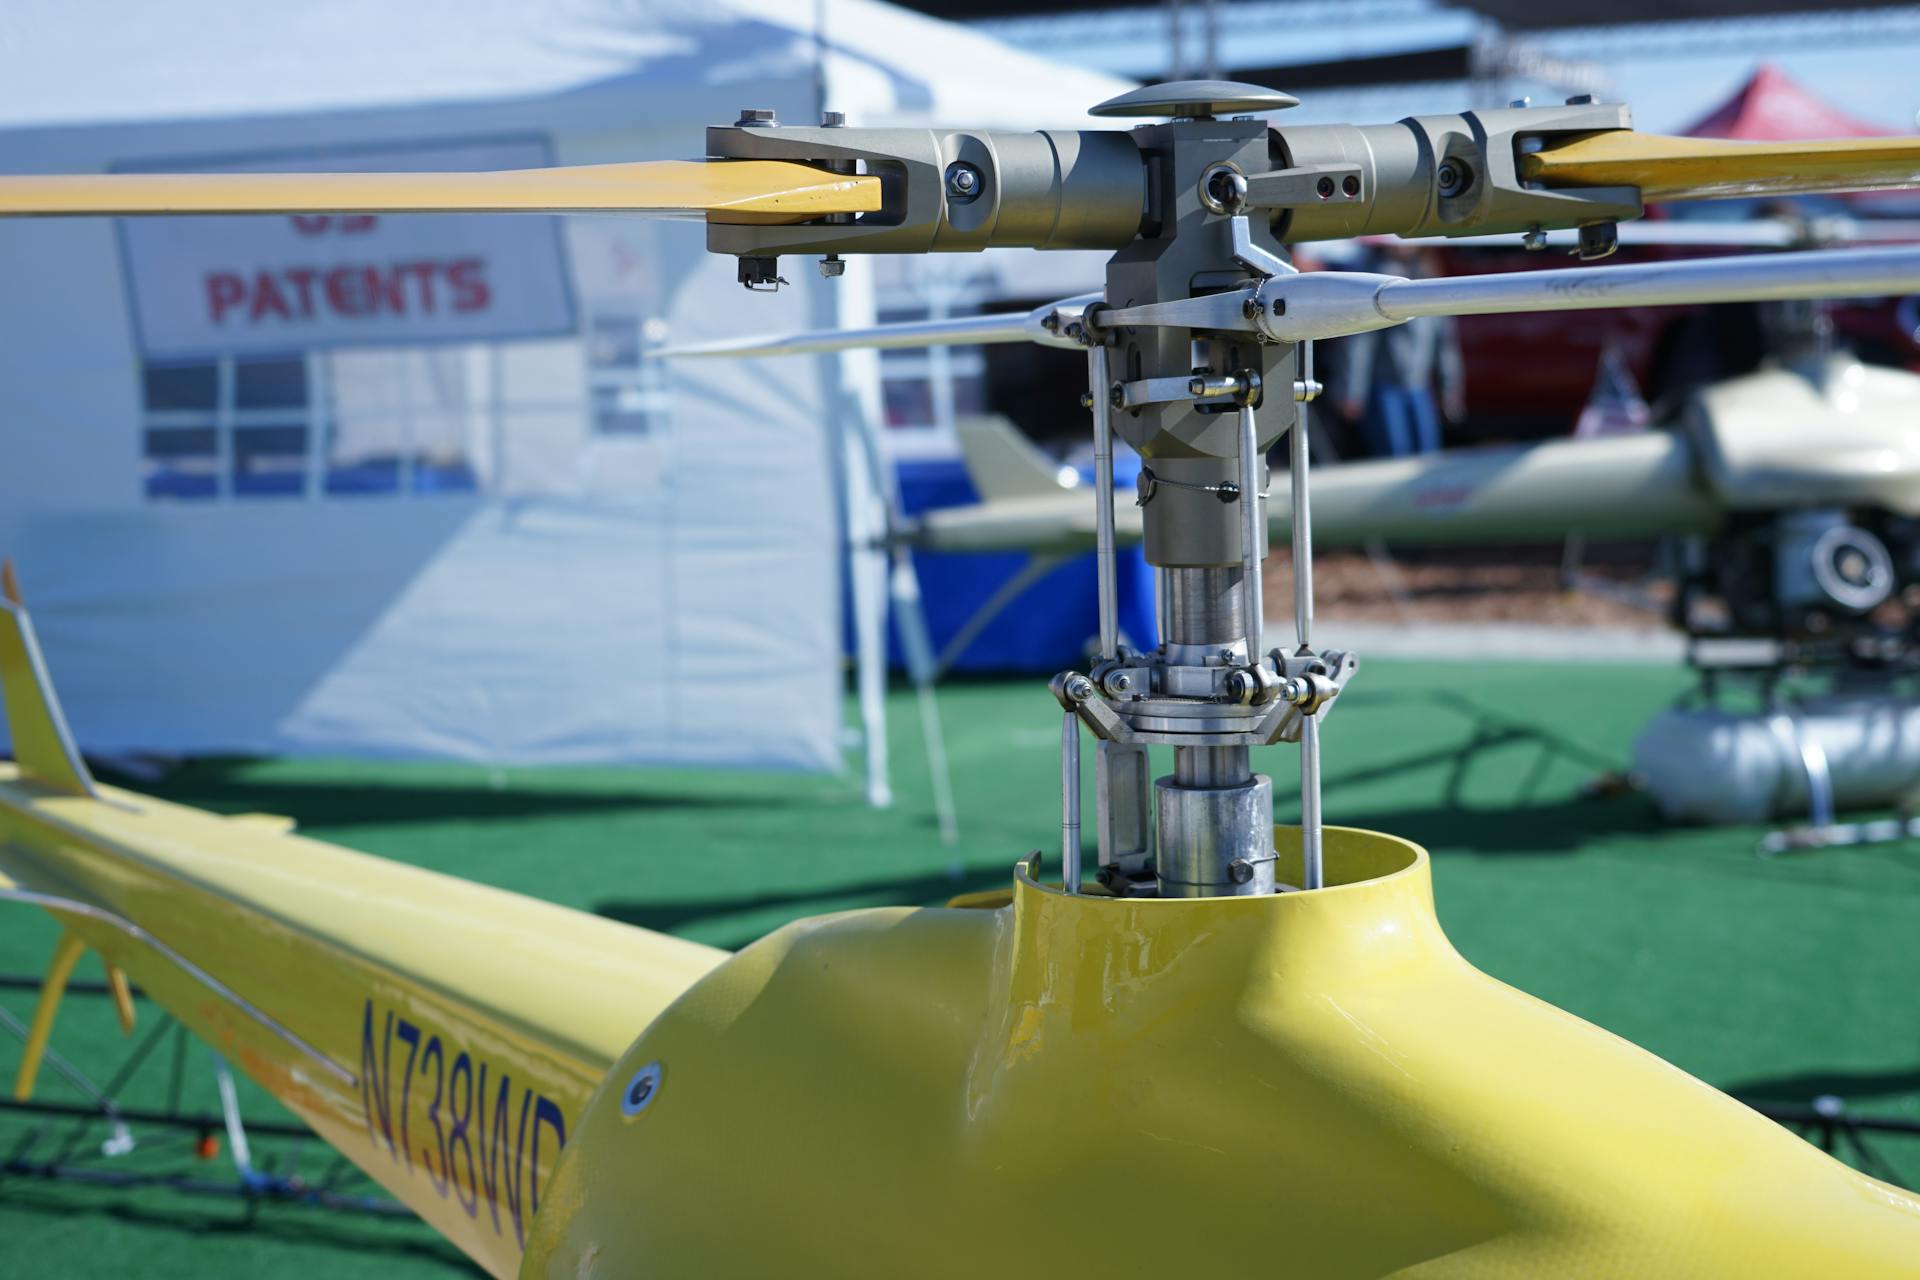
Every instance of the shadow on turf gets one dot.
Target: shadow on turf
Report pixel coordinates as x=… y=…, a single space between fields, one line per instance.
x=1559 y=828
x=1519 y=823
x=1808 y=1085
x=292 y=1225
x=223 y=787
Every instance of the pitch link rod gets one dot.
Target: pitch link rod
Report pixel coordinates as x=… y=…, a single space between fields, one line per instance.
x=1104 y=567
x=1070 y=802
x=1252 y=531
x=1311 y=828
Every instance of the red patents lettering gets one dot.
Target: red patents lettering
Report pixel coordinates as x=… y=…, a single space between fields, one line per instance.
x=423 y=287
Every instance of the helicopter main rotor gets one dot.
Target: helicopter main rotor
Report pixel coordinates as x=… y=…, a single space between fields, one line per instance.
x=1203 y=317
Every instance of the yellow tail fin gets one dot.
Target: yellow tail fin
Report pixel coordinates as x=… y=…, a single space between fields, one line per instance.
x=41 y=743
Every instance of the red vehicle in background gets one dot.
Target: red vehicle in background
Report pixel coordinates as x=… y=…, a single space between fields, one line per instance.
x=1528 y=376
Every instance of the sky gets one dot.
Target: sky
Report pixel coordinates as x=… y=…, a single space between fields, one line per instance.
x=1671 y=74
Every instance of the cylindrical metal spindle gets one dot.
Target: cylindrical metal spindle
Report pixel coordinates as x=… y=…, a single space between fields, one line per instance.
x=1312 y=874
x=1070 y=802
x=1203 y=607
x=1211 y=766
x=1103 y=499
x=1252 y=530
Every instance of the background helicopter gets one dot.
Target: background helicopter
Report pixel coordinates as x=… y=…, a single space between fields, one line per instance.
x=354 y=970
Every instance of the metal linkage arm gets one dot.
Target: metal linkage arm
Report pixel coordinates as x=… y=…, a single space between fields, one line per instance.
x=1328 y=304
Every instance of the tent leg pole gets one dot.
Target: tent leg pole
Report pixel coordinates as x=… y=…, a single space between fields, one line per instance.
x=914 y=639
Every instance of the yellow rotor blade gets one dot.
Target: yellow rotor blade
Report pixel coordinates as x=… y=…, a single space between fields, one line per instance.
x=754 y=191
x=1715 y=168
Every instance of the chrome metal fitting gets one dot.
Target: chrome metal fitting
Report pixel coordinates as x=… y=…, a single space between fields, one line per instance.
x=964 y=182
x=1223 y=188
x=1071 y=688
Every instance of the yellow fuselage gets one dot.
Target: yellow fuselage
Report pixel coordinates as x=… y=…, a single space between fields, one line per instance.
x=1310 y=1084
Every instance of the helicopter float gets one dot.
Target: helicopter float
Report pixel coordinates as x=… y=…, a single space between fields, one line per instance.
x=1242 y=1047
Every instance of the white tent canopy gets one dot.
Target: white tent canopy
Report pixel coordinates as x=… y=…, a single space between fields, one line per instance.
x=409 y=485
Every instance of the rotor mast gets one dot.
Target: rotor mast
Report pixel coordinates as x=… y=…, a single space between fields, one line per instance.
x=1195 y=406
x=1195 y=360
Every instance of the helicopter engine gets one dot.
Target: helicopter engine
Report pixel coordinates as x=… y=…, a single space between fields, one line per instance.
x=1813 y=582
x=1800 y=609
x=1821 y=596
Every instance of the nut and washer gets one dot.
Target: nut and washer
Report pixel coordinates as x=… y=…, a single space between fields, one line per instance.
x=964 y=182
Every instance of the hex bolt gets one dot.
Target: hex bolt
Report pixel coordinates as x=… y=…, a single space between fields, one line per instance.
x=832 y=266
x=756 y=118
x=1240 y=871
x=963 y=181
x=1079 y=688
x=1121 y=682
x=1116 y=395
x=832 y=119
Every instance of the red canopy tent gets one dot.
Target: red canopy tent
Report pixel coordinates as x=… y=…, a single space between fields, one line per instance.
x=1772 y=106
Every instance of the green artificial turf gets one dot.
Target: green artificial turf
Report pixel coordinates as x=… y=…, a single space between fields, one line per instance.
x=1776 y=979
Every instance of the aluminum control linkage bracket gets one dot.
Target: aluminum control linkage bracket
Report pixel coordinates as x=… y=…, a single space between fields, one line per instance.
x=1310 y=684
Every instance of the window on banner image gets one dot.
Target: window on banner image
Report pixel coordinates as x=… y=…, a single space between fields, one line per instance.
x=228 y=427
x=181 y=438
x=404 y=422
x=929 y=386
x=629 y=392
x=270 y=418
x=924 y=389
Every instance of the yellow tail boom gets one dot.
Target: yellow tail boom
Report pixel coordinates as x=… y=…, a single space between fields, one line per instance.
x=444 y=1035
